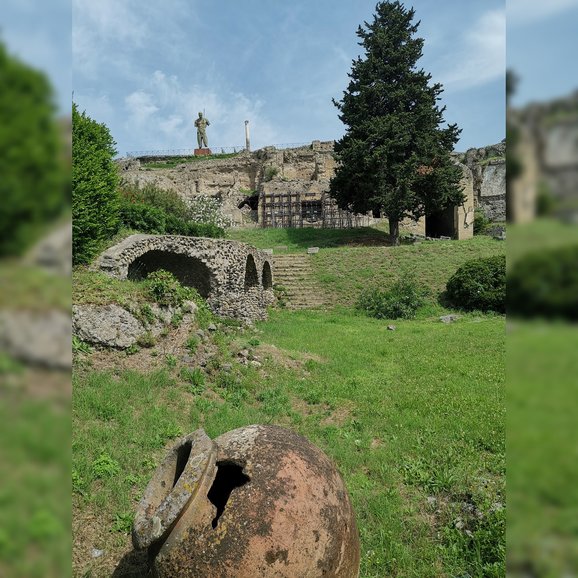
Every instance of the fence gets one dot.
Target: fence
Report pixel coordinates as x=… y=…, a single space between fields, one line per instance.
x=217 y=150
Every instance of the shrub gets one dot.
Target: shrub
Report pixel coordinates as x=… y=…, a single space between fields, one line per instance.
x=166 y=290
x=159 y=211
x=144 y=218
x=33 y=187
x=479 y=284
x=401 y=300
x=481 y=222
x=545 y=284
x=95 y=201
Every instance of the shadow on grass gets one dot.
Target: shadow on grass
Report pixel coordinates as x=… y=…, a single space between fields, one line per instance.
x=302 y=238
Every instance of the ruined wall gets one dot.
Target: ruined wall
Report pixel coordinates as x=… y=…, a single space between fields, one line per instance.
x=488 y=167
x=291 y=186
x=235 y=278
x=548 y=152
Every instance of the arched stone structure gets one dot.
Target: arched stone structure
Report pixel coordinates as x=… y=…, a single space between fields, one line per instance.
x=219 y=269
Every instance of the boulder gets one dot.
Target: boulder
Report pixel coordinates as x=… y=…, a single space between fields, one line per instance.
x=108 y=325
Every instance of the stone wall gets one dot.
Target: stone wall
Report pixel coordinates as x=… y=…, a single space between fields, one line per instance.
x=488 y=167
x=289 y=187
x=235 y=278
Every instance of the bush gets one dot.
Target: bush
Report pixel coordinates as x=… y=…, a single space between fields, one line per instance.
x=479 y=284
x=545 y=284
x=166 y=290
x=402 y=300
x=158 y=211
x=33 y=186
x=144 y=218
x=95 y=201
x=481 y=222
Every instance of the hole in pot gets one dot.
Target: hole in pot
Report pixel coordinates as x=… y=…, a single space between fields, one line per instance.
x=183 y=454
x=229 y=476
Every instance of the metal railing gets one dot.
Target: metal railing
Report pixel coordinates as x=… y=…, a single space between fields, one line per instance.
x=217 y=150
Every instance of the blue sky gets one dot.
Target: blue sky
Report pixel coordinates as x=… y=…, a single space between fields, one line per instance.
x=147 y=68
x=39 y=32
x=542 y=47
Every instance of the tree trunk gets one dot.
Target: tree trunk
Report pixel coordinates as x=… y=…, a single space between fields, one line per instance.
x=394 y=231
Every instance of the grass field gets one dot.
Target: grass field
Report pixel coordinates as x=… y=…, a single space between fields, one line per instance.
x=298 y=240
x=413 y=418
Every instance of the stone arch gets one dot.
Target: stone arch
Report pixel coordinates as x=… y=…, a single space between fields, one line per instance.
x=251 y=276
x=190 y=271
x=267 y=276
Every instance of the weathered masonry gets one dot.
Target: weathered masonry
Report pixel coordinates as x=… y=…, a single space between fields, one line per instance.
x=290 y=188
x=235 y=278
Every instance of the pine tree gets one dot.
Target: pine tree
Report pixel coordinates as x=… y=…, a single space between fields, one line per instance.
x=395 y=155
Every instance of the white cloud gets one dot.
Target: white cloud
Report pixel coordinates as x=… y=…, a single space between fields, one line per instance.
x=525 y=11
x=160 y=115
x=479 y=56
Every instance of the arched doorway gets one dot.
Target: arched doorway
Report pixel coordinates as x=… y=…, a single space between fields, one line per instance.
x=267 y=276
x=251 y=277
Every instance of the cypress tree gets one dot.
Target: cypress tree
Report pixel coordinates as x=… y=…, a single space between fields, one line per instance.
x=395 y=155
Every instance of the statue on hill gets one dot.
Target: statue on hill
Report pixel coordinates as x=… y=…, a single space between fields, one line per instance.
x=202 y=123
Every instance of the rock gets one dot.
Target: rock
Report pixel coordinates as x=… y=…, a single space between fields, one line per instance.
x=212 y=327
x=54 y=252
x=449 y=318
x=37 y=337
x=96 y=553
x=244 y=353
x=190 y=307
x=200 y=333
x=164 y=314
x=227 y=367
x=108 y=325
x=255 y=363
x=391 y=327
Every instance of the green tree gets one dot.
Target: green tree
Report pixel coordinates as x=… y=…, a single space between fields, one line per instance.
x=395 y=156
x=32 y=183
x=95 y=200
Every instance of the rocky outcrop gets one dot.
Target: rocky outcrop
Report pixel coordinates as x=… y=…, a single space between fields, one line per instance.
x=488 y=166
x=40 y=338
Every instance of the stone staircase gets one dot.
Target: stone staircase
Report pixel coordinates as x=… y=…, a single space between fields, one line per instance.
x=294 y=273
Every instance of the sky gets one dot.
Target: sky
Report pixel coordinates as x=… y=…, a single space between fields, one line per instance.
x=146 y=69
x=542 y=44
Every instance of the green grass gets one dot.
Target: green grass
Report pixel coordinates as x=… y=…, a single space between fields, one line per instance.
x=539 y=234
x=297 y=240
x=35 y=511
x=345 y=272
x=98 y=288
x=407 y=415
x=172 y=162
x=30 y=287
x=542 y=468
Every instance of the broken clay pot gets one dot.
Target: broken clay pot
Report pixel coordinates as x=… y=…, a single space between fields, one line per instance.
x=259 y=501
